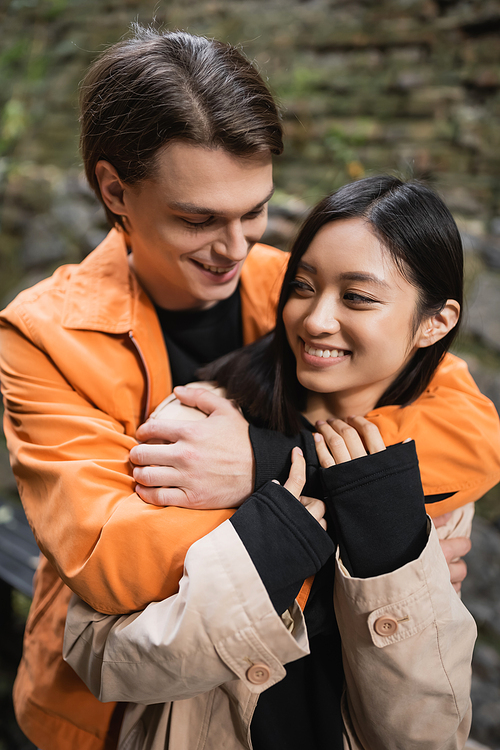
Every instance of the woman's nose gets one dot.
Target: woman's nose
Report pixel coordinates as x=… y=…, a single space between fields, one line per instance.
x=322 y=319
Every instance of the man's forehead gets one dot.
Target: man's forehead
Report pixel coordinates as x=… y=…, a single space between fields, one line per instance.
x=198 y=180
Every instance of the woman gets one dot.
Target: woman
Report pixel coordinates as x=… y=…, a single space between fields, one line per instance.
x=370 y=304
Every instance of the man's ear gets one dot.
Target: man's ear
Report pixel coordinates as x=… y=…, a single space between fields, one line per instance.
x=437 y=326
x=112 y=188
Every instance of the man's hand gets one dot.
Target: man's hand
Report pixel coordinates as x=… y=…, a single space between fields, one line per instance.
x=454 y=549
x=203 y=464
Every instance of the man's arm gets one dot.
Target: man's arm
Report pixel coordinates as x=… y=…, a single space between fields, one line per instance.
x=272 y=452
x=455 y=427
x=71 y=461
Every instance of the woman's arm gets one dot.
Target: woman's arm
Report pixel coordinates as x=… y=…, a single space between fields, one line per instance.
x=225 y=616
x=422 y=667
x=218 y=625
x=407 y=645
x=406 y=638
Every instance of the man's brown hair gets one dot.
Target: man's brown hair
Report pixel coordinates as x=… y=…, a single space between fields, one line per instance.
x=156 y=87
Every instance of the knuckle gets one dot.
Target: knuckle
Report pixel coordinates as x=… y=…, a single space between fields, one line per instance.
x=193 y=501
x=190 y=431
x=191 y=457
x=336 y=440
x=159 y=497
x=137 y=454
x=146 y=476
x=149 y=429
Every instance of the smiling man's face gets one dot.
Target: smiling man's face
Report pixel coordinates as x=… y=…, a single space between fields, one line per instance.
x=192 y=225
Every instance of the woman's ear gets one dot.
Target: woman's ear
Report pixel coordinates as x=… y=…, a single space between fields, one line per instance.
x=112 y=188
x=437 y=326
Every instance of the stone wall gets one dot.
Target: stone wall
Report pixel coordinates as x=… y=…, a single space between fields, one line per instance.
x=411 y=86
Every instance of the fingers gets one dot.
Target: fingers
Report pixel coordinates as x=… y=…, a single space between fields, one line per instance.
x=204 y=400
x=316 y=508
x=157 y=453
x=297 y=477
x=369 y=434
x=325 y=458
x=343 y=441
x=455 y=548
x=157 y=476
x=163 y=430
x=458 y=573
x=163 y=496
x=441 y=520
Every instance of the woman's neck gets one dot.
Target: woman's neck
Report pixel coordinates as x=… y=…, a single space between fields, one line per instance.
x=322 y=406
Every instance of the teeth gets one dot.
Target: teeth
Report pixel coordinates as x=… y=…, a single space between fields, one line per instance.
x=215 y=269
x=325 y=353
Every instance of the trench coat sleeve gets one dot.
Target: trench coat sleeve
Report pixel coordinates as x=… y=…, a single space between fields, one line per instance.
x=408 y=688
x=219 y=624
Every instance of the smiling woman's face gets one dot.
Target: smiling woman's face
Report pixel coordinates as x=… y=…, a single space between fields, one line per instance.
x=349 y=318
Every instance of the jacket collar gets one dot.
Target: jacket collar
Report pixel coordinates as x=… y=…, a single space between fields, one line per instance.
x=102 y=291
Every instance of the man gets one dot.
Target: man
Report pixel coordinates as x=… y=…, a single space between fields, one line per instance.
x=178 y=135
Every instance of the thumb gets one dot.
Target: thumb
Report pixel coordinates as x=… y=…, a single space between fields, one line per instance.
x=297 y=477
x=205 y=400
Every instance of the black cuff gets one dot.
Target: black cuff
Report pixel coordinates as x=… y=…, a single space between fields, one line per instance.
x=272 y=452
x=286 y=544
x=377 y=504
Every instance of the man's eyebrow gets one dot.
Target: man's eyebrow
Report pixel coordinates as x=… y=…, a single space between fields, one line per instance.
x=191 y=208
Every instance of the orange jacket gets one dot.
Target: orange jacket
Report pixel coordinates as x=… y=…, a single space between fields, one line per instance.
x=82 y=362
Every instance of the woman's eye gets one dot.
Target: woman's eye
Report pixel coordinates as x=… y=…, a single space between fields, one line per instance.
x=358 y=298
x=300 y=286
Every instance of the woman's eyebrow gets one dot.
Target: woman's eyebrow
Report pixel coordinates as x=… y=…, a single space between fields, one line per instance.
x=365 y=277
x=306 y=267
x=192 y=208
x=348 y=275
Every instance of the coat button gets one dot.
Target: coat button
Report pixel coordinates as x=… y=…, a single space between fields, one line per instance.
x=257 y=674
x=385 y=626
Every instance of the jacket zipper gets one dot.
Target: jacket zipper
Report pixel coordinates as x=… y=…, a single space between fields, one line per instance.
x=146 y=375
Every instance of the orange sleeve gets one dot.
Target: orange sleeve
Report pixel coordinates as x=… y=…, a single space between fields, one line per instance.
x=457 y=433
x=71 y=463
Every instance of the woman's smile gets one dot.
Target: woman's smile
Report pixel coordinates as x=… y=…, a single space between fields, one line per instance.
x=318 y=355
x=349 y=318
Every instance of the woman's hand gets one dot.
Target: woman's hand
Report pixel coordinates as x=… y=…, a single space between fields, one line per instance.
x=295 y=484
x=338 y=441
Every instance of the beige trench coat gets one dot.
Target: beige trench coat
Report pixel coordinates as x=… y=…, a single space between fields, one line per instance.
x=193 y=665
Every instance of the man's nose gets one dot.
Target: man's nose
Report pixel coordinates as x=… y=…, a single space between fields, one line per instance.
x=232 y=244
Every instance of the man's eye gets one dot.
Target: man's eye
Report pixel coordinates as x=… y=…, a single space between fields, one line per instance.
x=197 y=224
x=255 y=214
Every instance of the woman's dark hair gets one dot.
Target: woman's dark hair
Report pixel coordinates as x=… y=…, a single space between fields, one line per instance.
x=156 y=87
x=420 y=234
